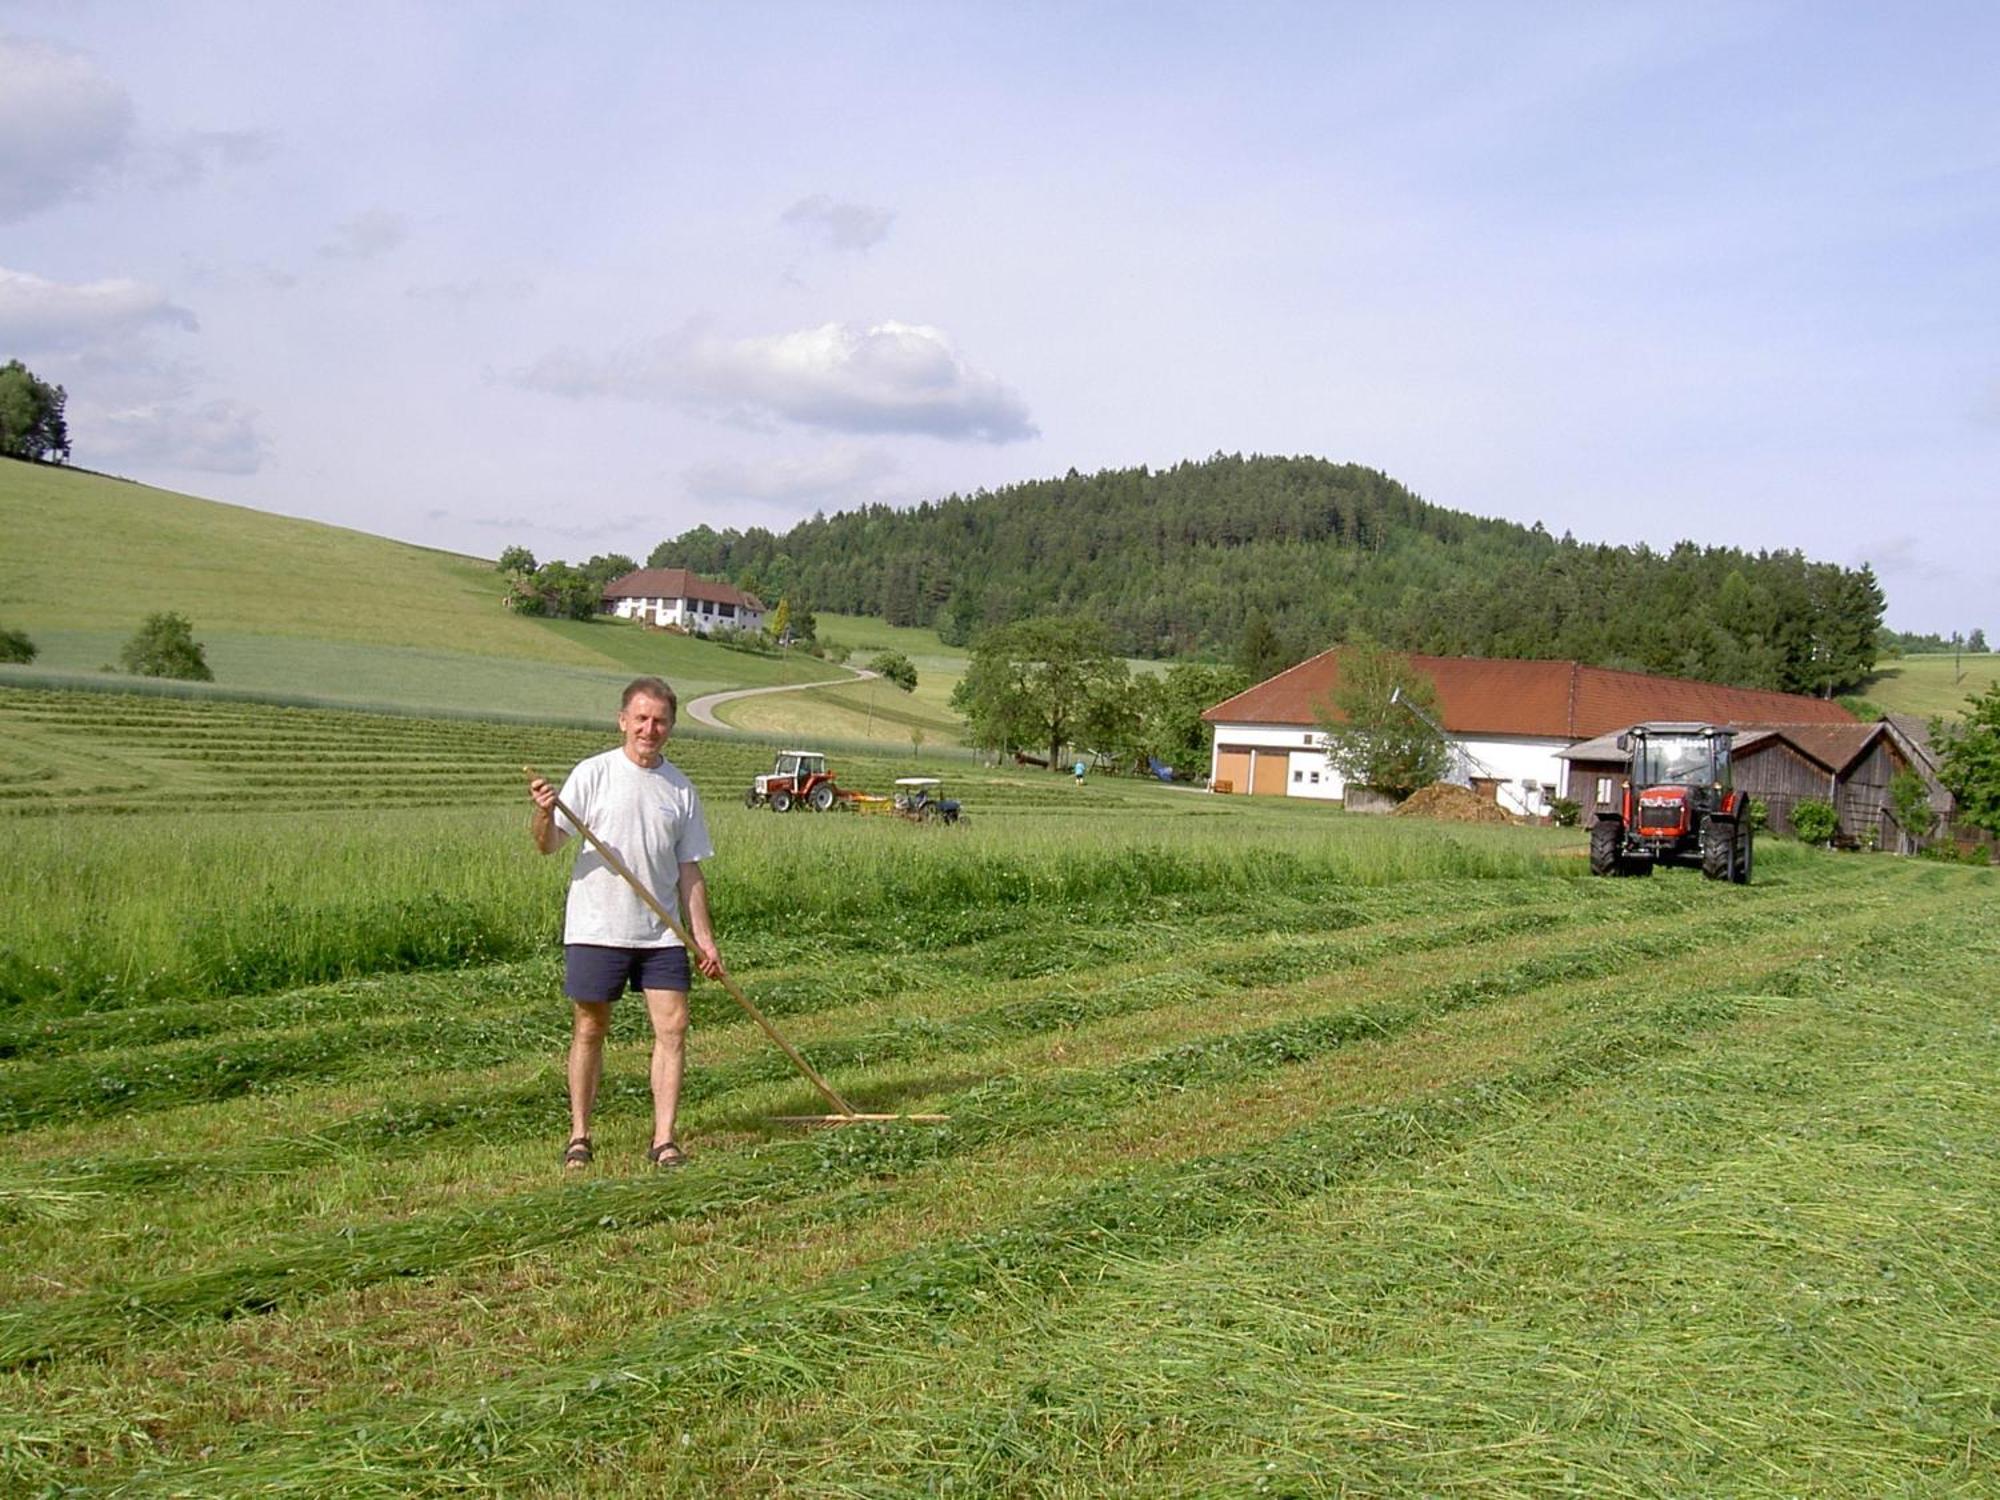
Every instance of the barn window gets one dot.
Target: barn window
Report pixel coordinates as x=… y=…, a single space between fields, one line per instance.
x=1298 y=776
x=1604 y=791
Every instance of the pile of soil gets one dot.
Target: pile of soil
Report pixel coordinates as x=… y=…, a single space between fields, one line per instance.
x=1450 y=804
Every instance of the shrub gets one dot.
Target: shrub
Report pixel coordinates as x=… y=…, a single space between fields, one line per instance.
x=1910 y=803
x=1566 y=811
x=897 y=668
x=1814 y=821
x=1760 y=814
x=165 y=647
x=15 y=646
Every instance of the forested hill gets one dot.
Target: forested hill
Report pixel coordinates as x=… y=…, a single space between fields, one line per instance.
x=1182 y=560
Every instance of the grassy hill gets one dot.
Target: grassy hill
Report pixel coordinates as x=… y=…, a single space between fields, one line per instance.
x=1934 y=684
x=307 y=611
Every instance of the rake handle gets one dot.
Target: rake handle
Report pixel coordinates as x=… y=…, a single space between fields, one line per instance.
x=673 y=925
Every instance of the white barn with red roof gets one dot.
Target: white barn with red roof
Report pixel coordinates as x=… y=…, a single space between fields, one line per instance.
x=1506 y=721
x=675 y=596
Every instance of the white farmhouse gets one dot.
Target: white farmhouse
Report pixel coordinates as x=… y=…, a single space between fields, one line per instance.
x=674 y=596
x=1506 y=721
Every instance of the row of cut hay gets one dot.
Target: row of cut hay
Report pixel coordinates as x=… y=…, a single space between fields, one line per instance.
x=981 y=1353
x=540 y=1430
x=493 y=1017
x=430 y=1244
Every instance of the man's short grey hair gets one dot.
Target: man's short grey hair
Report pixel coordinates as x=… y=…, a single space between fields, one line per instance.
x=651 y=687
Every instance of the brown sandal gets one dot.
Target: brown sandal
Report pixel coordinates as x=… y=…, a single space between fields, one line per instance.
x=577 y=1154
x=667 y=1154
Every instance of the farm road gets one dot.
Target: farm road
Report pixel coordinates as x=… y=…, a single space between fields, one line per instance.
x=702 y=709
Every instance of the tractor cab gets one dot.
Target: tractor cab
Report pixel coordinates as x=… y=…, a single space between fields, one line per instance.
x=1680 y=806
x=796 y=764
x=923 y=798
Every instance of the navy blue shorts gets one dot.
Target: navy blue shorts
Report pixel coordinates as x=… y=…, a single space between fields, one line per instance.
x=598 y=974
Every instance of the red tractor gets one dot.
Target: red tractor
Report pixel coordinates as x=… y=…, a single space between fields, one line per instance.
x=1679 y=807
x=797 y=778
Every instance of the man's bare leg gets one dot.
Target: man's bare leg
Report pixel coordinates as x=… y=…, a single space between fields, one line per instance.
x=588 y=1027
x=669 y=1012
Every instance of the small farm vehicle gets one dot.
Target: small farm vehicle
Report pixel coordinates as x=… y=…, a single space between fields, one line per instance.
x=1679 y=806
x=797 y=778
x=922 y=799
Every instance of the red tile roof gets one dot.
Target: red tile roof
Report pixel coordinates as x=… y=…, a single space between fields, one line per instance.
x=678 y=583
x=1561 y=700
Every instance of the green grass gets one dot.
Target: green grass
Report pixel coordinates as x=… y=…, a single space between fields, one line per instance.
x=1932 y=685
x=294 y=608
x=1289 y=1152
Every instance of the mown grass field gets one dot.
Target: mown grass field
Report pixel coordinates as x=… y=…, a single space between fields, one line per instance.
x=1932 y=684
x=1289 y=1152
x=304 y=610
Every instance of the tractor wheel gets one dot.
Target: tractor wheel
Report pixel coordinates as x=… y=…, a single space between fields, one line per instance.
x=781 y=802
x=1746 y=844
x=1605 y=836
x=821 y=797
x=750 y=797
x=927 y=813
x=1718 y=848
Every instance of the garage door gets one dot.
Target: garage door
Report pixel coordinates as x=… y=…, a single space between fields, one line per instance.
x=1233 y=766
x=1273 y=766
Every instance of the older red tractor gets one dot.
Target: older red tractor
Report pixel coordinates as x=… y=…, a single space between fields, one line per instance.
x=797 y=778
x=1679 y=807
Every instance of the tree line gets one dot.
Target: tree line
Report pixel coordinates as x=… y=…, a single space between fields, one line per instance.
x=1195 y=560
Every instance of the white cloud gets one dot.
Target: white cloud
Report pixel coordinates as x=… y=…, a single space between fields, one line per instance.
x=38 y=314
x=838 y=475
x=890 y=377
x=63 y=124
x=844 y=226
x=367 y=235
x=218 y=437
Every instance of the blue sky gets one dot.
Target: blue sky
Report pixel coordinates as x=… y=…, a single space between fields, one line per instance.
x=581 y=277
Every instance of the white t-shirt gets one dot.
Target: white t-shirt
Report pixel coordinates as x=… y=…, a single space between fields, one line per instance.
x=652 y=818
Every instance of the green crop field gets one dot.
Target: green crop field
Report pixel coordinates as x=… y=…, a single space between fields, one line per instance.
x=1289 y=1152
x=1932 y=685
x=302 y=610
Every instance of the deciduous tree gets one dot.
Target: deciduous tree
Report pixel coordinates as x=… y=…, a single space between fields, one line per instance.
x=31 y=416
x=1170 y=706
x=16 y=647
x=1034 y=682
x=1378 y=723
x=895 y=667
x=164 y=646
x=1969 y=759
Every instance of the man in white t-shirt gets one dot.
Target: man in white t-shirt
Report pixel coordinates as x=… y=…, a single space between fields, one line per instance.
x=640 y=805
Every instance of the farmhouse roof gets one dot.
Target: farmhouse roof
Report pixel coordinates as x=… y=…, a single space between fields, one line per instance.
x=1558 y=700
x=678 y=583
